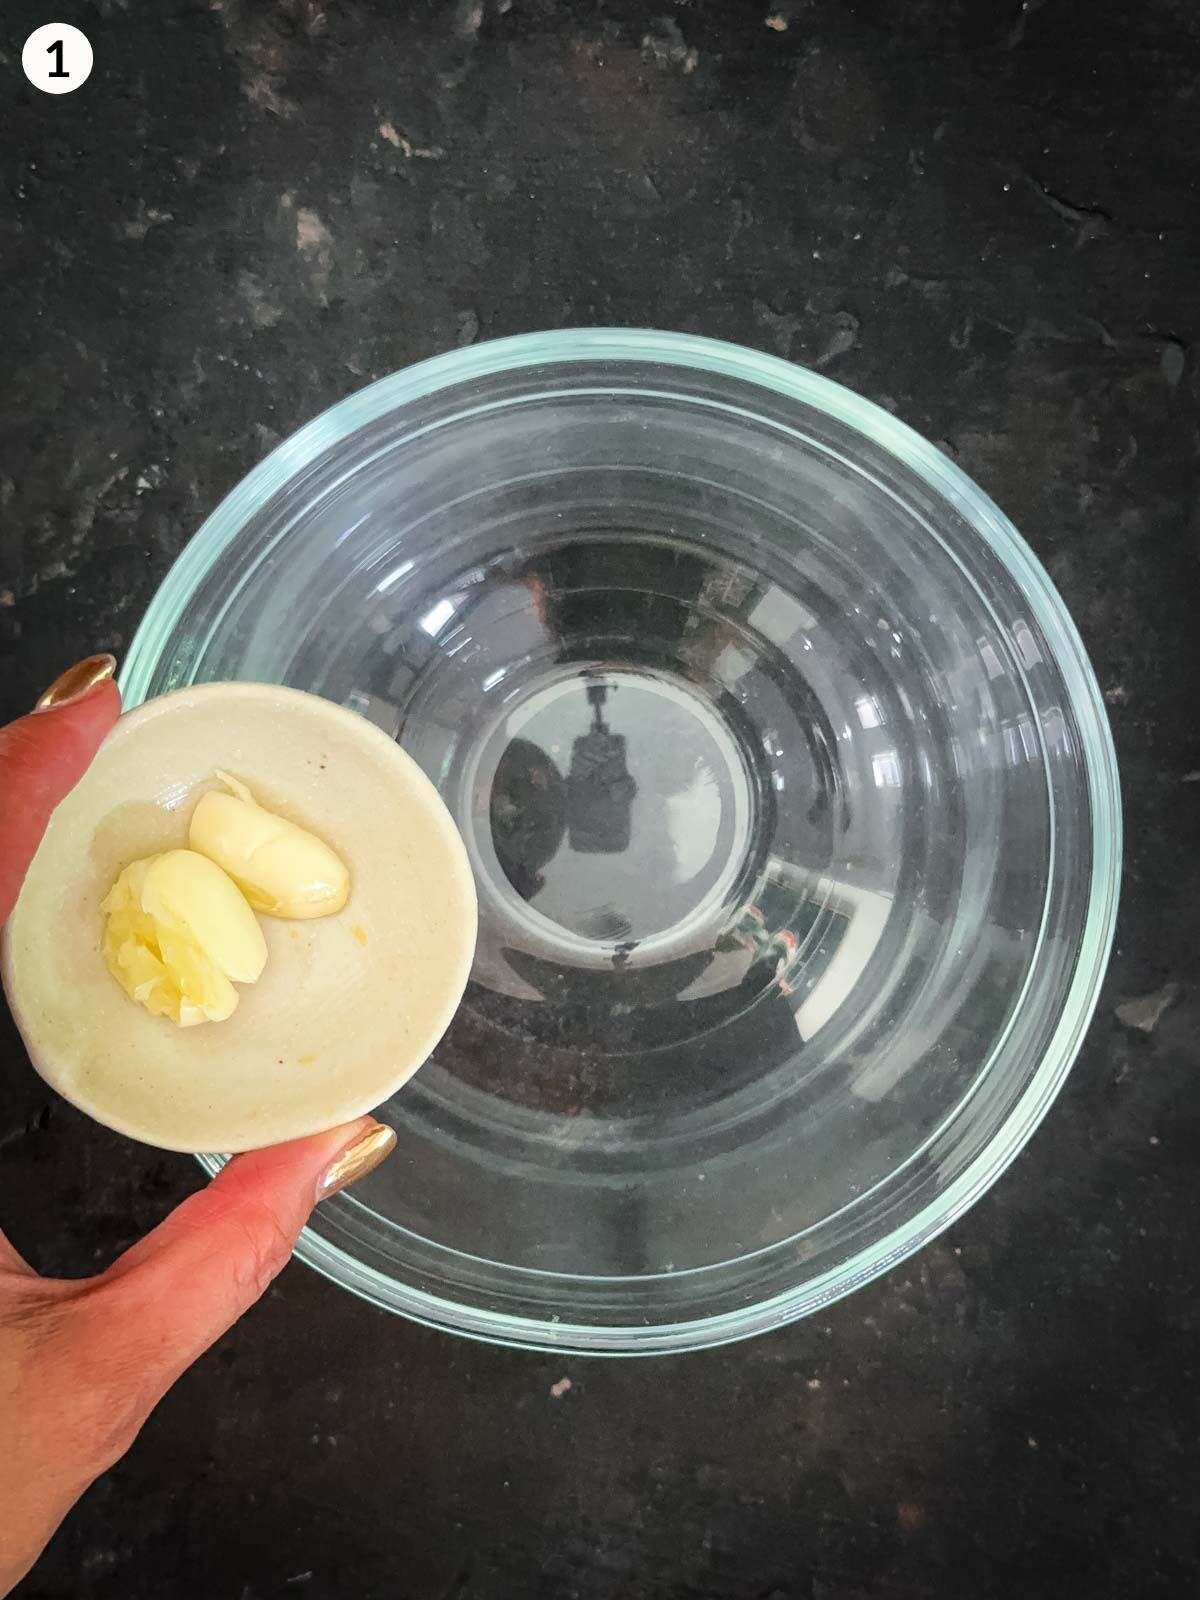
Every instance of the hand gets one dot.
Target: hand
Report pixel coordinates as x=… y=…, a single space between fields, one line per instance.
x=83 y=1362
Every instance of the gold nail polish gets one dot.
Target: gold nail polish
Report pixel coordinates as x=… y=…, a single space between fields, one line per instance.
x=356 y=1160
x=77 y=681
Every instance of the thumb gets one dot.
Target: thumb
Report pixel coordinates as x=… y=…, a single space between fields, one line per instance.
x=43 y=756
x=177 y=1290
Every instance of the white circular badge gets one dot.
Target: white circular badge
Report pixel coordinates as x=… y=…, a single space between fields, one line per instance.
x=57 y=58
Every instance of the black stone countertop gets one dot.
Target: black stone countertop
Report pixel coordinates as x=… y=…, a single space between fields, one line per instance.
x=981 y=215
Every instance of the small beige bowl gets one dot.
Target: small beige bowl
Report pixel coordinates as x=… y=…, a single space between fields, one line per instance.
x=349 y=1006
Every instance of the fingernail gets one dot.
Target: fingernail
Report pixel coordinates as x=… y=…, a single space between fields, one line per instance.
x=77 y=681
x=356 y=1160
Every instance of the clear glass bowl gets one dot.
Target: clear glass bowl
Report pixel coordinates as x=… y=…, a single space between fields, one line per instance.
x=789 y=794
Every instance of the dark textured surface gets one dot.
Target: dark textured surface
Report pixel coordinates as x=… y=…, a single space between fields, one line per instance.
x=981 y=215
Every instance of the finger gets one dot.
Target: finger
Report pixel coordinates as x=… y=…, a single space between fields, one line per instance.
x=100 y=1354
x=181 y=1287
x=42 y=757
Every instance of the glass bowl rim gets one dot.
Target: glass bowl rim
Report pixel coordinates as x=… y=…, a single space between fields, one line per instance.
x=475 y=364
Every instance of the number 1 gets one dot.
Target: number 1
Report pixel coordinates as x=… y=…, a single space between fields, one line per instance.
x=56 y=50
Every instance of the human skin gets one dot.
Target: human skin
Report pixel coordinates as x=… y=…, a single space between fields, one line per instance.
x=84 y=1361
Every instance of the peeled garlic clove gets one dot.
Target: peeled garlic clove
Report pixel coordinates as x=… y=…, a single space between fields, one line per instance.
x=177 y=931
x=189 y=895
x=281 y=868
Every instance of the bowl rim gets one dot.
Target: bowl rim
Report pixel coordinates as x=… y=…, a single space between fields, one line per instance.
x=477 y=363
